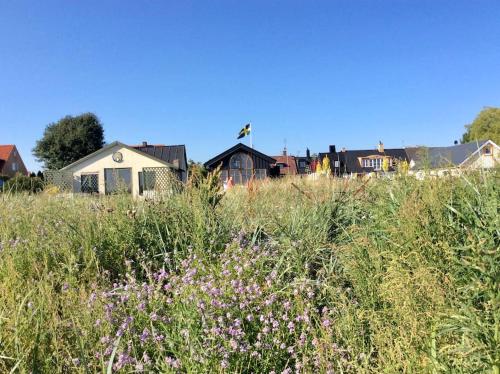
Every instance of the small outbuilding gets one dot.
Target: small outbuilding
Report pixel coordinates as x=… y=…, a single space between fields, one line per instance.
x=139 y=170
x=242 y=163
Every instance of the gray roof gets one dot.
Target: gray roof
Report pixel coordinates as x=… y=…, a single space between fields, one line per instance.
x=436 y=157
x=168 y=153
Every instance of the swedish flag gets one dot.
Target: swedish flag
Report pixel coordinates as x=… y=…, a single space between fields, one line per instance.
x=245 y=131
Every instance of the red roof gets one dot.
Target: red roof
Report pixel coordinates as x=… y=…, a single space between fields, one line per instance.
x=289 y=161
x=5 y=151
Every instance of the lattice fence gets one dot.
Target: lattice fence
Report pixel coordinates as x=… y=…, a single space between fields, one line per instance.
x=160 y=181
x=62 y=180
x=89 y=183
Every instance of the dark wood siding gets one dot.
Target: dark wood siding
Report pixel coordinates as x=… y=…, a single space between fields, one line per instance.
x=260 y=160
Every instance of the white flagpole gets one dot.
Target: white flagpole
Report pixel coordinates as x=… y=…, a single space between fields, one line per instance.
x=251 y=135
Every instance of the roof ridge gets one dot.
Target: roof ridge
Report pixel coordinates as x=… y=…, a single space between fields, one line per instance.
x=157 y=145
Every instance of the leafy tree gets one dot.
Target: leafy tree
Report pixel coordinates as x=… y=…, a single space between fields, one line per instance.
x=318 y=167
x=326 y=166
x=403 y=167
x=385 y=165
x=486 y=126
x=69 y=139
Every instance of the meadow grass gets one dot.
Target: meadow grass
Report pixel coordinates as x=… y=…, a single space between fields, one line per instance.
x=383 y=276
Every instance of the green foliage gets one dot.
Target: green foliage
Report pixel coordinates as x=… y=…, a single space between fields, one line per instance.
x=68 y=140
x=486 y=126
x=383 y=276
x=196 y=172
x=210 y=189
x=23 y=183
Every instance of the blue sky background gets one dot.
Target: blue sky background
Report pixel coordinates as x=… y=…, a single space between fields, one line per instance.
x=190 y=72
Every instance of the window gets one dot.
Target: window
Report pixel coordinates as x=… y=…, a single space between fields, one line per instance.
x=149 y=180
x=117 y=180
x=302 y=164
x=89 y=183
x=240 y=168
x=14 y=166
x=487 y=150
x=141 y=183
x=375 y=163
x=223 y=175
x=336 y=164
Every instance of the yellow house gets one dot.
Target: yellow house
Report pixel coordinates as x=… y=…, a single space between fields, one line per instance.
x=119 y=167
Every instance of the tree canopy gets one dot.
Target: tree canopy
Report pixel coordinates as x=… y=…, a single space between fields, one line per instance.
x=68 y=140
x=486 y=126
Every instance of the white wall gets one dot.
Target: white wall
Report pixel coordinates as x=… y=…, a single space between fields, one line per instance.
x=485 y=161
x=104 y=160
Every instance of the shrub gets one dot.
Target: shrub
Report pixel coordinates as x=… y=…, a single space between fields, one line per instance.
x=23 y=183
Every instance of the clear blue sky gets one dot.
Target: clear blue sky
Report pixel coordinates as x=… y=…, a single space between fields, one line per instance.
x=193 y=72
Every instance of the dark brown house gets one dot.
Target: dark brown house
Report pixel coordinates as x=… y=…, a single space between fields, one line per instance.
x=11 y=162
x=242 y=163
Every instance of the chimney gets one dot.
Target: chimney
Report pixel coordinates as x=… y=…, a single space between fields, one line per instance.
x=380 y=147
x=284 y=151
x=332 y=149
x=144 y=144
x=308 y=153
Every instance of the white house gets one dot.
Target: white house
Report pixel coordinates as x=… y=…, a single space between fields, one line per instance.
x=483 y=154
x=119 y=167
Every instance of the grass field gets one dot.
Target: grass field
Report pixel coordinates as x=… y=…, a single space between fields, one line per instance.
x=387 y=276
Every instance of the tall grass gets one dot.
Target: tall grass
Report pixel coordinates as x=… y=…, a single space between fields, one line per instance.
x=287 y=276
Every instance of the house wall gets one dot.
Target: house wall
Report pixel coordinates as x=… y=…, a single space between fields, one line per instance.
x=104 y=160
x=14 y=159
x=485 y=161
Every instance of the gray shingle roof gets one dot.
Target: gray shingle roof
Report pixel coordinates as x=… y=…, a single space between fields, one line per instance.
x=437 y=157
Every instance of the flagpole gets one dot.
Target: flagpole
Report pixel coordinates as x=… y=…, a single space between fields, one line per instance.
x=251 y=135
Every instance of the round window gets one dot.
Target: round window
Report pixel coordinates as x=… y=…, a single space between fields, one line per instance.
x=117 y=157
